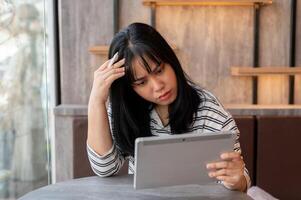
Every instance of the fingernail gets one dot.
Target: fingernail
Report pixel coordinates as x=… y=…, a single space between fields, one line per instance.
x=208 y=166
x=113 y=59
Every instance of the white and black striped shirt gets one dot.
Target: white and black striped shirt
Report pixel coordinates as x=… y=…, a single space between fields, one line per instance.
x=211 y=117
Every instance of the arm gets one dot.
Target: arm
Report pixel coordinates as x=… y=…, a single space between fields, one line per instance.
x=104 y=157
x=99 y=135
x=231 y=170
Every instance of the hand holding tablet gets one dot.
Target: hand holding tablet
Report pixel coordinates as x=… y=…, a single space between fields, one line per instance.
x=230 y=170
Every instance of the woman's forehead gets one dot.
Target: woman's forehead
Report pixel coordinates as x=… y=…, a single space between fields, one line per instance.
x=139 y=66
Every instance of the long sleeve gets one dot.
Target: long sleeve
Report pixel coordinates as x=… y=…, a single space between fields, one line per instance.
x=105 y=165
x=109 y=163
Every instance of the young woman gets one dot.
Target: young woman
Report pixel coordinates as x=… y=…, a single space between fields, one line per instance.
x=149 y=94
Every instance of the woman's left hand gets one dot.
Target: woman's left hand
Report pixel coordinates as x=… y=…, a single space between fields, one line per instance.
x=230 y=170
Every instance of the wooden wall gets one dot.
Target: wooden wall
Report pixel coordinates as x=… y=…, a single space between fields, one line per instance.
x=133 y=11
x=274 y=51
x=81 y=24
x=209 y=39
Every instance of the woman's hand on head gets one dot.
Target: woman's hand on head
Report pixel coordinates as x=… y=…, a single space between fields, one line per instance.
x=104 y=76
x=230 y=170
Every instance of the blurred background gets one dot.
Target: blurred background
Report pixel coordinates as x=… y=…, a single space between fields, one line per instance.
x=24 y=98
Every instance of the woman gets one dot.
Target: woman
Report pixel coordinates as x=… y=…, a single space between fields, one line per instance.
x=151 y=95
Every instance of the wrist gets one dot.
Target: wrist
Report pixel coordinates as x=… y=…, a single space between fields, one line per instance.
x=96 y=100
x=95 y=103
x=243 y=184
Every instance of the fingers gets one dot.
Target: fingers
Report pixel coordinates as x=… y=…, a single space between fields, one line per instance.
x=225 y=172
x=230 y=177
x=228 y=180
x=230 y=170
x=219 y=165
x=239 y=165
x=225 y=164
x=119 y=63
x=230 y=155
x=232 y=165
x=229 y=160
x=222 y=172
x=112 y=72
x=112 y=60
x=105 y=75
x=114 y=66
x=113 y=77
x=106 y=64
x=104 y=71
x=103 y=66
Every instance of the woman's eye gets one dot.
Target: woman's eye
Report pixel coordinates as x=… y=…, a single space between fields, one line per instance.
x=140 y=83
x=159 y=71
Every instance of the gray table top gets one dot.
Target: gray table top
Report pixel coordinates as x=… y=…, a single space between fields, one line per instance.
x=121 y=187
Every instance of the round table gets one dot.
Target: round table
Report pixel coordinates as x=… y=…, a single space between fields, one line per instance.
x=121 y=187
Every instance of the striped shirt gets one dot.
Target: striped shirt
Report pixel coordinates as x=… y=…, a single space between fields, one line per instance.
x=210 y=117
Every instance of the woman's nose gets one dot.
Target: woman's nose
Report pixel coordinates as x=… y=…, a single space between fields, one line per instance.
x=157 y=84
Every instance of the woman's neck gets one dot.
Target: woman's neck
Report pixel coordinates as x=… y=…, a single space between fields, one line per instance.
x=163 y=114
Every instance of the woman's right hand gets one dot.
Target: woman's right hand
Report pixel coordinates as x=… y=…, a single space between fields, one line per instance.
x=104 y=76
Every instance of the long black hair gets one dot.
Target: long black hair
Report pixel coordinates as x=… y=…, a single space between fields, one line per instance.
x=130 y=112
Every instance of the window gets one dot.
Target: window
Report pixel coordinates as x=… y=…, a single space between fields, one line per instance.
x=24 y=149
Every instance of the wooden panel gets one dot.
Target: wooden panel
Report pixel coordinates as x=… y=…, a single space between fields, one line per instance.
x=274 y=51
x=99 y=50
x=264 y=110
x=278 y=158
x=206 y=2
x=77 y=33
x=133 y=11
x=246 y=126
x=297 y=90
x=258 y=71
x=273 y=89
x=81 y=165
x=63 y=148
x=298 y=53
x=210 y=40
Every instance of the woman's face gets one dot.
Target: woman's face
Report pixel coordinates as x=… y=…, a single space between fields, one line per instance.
x=159 y=86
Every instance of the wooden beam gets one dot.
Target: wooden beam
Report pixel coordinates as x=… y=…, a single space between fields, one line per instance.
x=206 y=2
x=104 y=49
x=262 y=107
x=99 y=50
x=257 y=71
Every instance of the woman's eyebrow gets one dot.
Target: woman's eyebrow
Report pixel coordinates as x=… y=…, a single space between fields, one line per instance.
x=157 y=67
x=139 y=79
x=154 y=70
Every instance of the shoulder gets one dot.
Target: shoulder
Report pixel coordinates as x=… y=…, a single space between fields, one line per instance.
x=210 y=105
x=211 y=115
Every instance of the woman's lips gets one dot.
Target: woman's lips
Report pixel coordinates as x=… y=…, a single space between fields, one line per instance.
x=165 y=96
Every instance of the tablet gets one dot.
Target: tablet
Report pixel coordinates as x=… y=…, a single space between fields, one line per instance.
x=178 y=159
